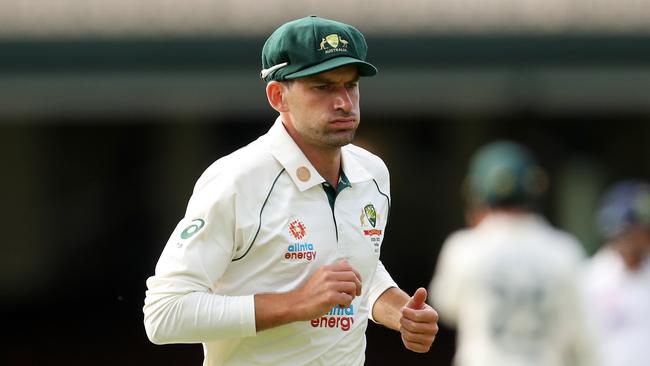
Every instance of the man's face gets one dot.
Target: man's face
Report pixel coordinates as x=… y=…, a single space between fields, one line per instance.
x=324 y=108
x=638 y=236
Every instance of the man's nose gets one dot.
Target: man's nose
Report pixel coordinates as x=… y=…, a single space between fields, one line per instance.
x=343 y=100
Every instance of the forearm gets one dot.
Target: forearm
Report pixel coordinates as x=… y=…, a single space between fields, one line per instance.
x=387 y=310
x=273 y=310
x=197 y=317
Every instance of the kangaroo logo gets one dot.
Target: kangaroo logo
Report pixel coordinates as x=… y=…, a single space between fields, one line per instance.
x=333 y=41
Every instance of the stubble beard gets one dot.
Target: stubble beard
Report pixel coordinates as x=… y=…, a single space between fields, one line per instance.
x=339 y=138
x=328 y=137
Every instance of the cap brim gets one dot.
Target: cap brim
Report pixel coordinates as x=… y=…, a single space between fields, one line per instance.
x=365 y=68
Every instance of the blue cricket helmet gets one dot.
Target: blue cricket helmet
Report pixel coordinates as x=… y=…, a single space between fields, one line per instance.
x=625 y=204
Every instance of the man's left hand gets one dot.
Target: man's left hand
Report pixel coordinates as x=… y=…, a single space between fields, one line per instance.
x=418 y=324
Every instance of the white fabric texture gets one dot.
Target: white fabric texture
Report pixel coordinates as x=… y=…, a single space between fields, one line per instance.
x=620 y=300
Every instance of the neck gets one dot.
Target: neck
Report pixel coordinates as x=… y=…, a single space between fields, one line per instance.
x=326 y=160
x=474 y=215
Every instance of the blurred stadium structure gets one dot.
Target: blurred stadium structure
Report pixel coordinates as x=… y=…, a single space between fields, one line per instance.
x=109 y=111
x=80 y=19
x=202 y=56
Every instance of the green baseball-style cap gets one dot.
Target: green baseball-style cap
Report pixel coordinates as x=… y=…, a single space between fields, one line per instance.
x=504 y=173
x=312 y=45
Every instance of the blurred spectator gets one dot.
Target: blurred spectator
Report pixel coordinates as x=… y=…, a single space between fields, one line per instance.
x=508 y=283
x=617 y=279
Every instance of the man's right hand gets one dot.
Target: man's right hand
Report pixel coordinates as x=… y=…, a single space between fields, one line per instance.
x=331 y=285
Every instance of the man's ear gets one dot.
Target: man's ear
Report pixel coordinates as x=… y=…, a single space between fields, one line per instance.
x=276 y=94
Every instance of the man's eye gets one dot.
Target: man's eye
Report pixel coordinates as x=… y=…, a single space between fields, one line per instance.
x=322 y=87
x=352 y=85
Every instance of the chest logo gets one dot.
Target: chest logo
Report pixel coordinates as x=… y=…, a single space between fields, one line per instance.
x=297 y=229
x=301 y=250
x=369 y=219
x=370 y=213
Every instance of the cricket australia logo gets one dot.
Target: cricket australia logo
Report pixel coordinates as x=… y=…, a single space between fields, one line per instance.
x=370 y=213
x=297 y=229
x=369 y=218
x=333 y=43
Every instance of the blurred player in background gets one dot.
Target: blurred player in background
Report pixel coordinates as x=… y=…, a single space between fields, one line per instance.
x=508 y=283
x=617 y=280
x=277 y=259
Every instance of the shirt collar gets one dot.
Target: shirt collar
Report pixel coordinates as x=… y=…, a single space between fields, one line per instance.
x=300 y=169
x=294 y=161
x=353 y=168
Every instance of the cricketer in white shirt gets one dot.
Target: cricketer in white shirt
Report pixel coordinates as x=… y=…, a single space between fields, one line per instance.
x=253 y=225
x=509 y=286
x=617 y=280
x=621 y=301
x=277 y=259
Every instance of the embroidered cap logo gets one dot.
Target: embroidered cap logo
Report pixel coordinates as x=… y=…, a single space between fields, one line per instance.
x=333 y=41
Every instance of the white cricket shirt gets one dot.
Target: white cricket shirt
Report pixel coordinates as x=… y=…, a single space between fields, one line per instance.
x=509 y=286
x=260 y=220
x=620 y=300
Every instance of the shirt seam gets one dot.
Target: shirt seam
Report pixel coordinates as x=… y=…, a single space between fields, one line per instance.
x=259 y=225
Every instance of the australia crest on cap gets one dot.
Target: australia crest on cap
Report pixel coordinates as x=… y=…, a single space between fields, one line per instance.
x=311 y=45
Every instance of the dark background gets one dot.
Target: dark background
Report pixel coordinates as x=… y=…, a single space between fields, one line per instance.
x=101 y=143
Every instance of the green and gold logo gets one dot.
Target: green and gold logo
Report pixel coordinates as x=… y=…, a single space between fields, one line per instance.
x=370 y=213
x=332 y=42
x=197 y=224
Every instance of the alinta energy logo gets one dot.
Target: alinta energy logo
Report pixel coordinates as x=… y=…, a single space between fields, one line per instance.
x=299 y=251
x=333 y=43
x=338 y=317
x=297 y=229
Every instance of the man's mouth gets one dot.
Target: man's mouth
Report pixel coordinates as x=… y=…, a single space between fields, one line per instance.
x=344 y=123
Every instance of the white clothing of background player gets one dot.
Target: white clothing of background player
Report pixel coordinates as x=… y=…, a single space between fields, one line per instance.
x=277 y=259
x=508 y=283
x=617 y=280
